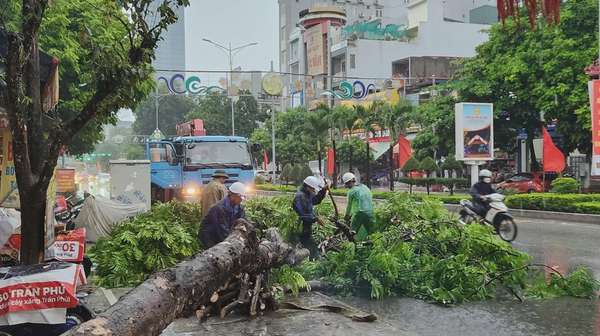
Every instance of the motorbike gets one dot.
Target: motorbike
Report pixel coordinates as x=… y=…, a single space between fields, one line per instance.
x=497 y=216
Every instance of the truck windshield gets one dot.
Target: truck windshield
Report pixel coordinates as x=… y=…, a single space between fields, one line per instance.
x=225 y=153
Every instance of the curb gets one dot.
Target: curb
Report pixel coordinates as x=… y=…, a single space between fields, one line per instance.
x=532 y=214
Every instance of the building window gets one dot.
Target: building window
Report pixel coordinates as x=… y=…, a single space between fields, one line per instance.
x=352 y=61
x=379 y=13
x=294 y=51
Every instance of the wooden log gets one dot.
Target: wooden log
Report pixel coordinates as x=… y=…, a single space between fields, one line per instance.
x=180 y=290
x=256 y=294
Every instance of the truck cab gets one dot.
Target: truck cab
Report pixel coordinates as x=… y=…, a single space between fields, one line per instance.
x=183 y=165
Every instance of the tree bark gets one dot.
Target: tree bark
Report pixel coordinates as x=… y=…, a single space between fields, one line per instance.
x=180 y=290
x=391 y=165
x=33 y=225
x=335 y=165
x=319 y=156
x=368 y=163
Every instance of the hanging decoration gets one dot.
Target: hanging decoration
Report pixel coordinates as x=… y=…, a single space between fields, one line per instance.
x=550 y=10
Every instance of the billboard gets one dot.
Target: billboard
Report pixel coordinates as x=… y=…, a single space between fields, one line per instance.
x=474 y=131
x=594 y=87
x=65 y=180
x=315 y=50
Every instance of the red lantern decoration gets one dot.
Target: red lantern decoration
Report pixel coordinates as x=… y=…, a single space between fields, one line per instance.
x=510 y=8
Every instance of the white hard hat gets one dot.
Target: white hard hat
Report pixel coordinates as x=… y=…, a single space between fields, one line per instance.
x=313 y=182
x=238 y=188
x=348 y=177
x=485 y=173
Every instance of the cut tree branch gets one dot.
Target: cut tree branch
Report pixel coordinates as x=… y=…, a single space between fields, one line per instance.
x=180 y=290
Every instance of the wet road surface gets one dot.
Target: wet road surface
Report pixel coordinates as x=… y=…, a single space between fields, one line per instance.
x=563 y=245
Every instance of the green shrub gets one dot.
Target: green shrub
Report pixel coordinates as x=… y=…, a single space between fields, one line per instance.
x=287 y=173
x=452 y=165
x=411 y=165
x=565 y=185
x=551 y=202
x=428 y=165
x=147 y=243
x=588 y=207
x=259 y=180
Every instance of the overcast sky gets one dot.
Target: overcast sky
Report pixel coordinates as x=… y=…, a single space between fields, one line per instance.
x=236 y=21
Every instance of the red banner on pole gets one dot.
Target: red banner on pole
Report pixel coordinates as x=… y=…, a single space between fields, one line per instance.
x=403 y=150
x=595 y=102
x=330 y=162
x=554 y=159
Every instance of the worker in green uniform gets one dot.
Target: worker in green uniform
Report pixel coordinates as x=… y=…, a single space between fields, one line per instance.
x=359 y=210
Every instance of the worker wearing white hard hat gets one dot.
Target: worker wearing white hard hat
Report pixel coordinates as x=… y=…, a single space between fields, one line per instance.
x=312 y=192
x=359 y=211
x=480 y=191
x=221 y=217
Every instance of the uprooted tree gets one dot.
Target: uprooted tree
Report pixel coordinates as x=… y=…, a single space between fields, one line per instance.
x=196 y=284
x=115 y=70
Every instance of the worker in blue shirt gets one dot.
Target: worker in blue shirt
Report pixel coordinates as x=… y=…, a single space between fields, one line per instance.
x=311 y=193
x=219 y=221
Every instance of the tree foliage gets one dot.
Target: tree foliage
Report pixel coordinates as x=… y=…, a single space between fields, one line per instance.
x=172 y=110
x=106 y=49
x=452 y=165
x=525 y=71
x=215 y=110
x=428 y=165
x=435 y=118
x=411 y=165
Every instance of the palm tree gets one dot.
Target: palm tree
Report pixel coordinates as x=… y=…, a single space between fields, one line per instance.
x=396 y=118
x=368 y=119
x=347 y=119
x=336 y=127
x=317 y=125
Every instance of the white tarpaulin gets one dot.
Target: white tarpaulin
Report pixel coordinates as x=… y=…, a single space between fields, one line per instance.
x=10 y=222
x=100 y=215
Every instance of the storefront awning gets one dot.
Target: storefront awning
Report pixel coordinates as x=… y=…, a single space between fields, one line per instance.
x=379 y=148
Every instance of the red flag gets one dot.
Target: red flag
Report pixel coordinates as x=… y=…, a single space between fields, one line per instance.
x=403 y=150
x=554 y=159
x=265 y=160
x=330 y=162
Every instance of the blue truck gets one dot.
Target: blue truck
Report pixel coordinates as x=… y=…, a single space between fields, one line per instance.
x=183 y=165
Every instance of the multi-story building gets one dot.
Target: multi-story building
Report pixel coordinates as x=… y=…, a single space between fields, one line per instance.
x=377 y=41
x=170 y=53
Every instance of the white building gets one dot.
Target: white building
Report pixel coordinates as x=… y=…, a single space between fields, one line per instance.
x=379 y=40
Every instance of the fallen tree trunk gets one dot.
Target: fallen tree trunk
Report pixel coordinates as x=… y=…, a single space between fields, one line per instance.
x=180 y=290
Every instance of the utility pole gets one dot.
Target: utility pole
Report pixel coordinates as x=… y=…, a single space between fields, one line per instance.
x=231 y=52
x=156 y=106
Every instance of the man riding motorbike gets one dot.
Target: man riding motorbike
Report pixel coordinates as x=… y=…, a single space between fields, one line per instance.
x=480 y=191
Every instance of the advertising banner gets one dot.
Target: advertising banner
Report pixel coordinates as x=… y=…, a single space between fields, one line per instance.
x=474 y=131
x=594 y=88
x=70 y=245
x=38 y=293
x=315 y=50
x=65 y=180
x=50 y=220
x=8 y=182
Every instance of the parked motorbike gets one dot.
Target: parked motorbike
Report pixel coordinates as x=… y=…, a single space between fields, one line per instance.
x=497 y=216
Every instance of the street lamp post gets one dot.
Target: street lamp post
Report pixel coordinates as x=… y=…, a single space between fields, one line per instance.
x=231 y=52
